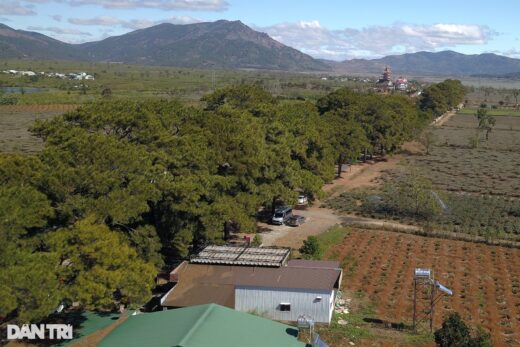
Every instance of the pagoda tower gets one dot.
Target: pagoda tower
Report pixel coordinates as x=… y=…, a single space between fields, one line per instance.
x=387 y=74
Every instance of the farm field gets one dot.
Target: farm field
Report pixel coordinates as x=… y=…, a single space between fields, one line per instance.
x=493 y=168
x=492 y=112
x=138 y=82
x=15 y=121
x=485 y=279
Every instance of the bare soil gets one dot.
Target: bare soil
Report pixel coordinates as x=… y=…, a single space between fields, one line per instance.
x=361 y=175
x=485 y=279
x=319 y=219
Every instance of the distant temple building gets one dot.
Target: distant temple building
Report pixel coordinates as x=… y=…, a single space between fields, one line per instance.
x=385 y=83
x=401 y=84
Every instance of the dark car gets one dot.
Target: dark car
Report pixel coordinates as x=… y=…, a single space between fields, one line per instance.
x=296 y=221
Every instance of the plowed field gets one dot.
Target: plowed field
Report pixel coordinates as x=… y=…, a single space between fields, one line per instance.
x=485 y=279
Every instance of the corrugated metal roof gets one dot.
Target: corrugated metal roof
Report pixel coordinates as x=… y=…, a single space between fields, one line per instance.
x=317 y=264
x=201 y=283
x=290 y=278
x=252 y=256
x=203 y=325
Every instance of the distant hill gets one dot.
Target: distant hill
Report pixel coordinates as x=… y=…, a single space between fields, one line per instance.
x=27 y=44
x=220 y=44
x=446 y=63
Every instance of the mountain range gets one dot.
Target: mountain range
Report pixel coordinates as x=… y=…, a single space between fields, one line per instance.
x=446 y=63
x=233 y=45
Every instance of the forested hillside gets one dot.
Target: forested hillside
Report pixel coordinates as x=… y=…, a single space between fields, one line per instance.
x=121 y=187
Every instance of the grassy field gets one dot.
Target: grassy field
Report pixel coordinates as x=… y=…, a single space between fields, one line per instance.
x=493 y=112
x=378 y=269
x=134 y=81
x=15 y=121
x=480 y=186
x=494 y=93
x=493 y=168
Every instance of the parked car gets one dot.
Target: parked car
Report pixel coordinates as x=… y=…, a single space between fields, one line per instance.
x=302 y=199
x=281 y=215
x=296 y=221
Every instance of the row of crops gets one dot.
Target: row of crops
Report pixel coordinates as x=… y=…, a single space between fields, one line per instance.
x=487 y=216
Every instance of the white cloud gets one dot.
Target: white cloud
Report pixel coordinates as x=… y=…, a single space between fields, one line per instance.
x=511 y=53
x=133 y=23
x=61 y=31
x=375 y=41
x=14 y=8
x=56 y=17
x=100 y=20
x=144 y=23
x=167 y=5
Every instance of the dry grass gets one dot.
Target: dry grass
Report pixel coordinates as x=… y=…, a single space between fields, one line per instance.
x=491 y=169
x=15 y=121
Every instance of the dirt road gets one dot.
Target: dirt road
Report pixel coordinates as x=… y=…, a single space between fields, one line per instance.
x=319 y=219
x=361 y=175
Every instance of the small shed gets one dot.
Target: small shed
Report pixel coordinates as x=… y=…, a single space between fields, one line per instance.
x=280 y=293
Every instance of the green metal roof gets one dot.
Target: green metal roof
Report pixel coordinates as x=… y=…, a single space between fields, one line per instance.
x=201 y=326
x=86 y=323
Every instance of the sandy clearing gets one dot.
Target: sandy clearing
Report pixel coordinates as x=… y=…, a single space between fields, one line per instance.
x=320 y=219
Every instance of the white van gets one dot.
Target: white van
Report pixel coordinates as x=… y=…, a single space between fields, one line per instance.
x=281 y=215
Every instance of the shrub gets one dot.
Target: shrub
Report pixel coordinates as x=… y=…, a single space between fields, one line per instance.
x=8 y=100
x=257 y=240
x=311 y=248
x=455 y=333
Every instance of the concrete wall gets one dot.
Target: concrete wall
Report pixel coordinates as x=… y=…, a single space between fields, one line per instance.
x=266 y=302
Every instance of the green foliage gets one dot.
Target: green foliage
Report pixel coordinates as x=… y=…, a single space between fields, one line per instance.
x=441 y=97
x=311 y=248
x=106 y=93
x=455 y=333
x=147 y=243
x=410 y=194
x=246 y=97
x=331 y=237
x=8 y=100
x=257 y=240
x=387 y=120
x=28 y=282
x=488 y=216
x=485 y=121
x=96 y=263
x=23 y=208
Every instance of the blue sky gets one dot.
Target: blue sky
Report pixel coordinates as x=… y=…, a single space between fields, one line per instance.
x=325 y=29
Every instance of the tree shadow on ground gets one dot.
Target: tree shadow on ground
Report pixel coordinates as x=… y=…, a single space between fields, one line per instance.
x=380 y=323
